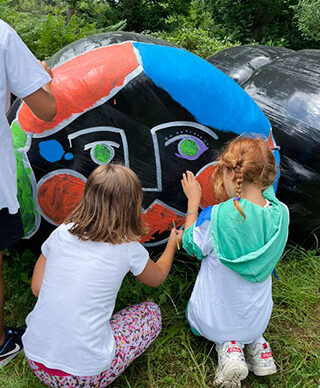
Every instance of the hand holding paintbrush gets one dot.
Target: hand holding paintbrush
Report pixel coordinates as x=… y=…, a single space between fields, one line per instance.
x=174 y=226
x=178 y=235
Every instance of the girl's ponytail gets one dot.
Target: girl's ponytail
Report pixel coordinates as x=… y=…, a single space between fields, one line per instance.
x=238 y=169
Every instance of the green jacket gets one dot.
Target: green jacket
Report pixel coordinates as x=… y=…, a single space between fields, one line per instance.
x=252 y=246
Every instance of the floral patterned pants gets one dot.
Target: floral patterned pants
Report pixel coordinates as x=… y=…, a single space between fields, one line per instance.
x=134 y=329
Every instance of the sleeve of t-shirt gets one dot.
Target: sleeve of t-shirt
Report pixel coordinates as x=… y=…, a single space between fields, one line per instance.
x=196 y=239
x=25 y=75
x=45 y=247
x=139 y=257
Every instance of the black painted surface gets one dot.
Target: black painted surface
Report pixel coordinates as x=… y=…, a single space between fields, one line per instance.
x=287 y=89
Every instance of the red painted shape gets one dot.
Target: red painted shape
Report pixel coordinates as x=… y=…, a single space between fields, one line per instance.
x=159 y=219
x=59 y=195
x=271 y=142
x=81 y=82
x=204 y=178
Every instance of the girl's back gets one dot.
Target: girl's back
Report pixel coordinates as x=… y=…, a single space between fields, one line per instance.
x=76 y=301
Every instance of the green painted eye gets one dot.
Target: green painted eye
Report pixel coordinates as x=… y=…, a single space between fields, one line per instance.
x=102 y=153
x=188 y=147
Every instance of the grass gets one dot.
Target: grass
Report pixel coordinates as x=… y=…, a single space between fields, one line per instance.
x=178 y=358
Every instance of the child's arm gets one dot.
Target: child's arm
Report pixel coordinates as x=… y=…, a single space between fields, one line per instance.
x=37 y=275
x=42 y=101
x=192 y=190
x=196 y=238
x=155 y=273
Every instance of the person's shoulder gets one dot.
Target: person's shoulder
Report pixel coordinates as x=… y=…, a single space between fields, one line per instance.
x=8 y=35
x=204 y=216
x=225 y=206
x=6 y=30
x=61 y=231
x=135 y=245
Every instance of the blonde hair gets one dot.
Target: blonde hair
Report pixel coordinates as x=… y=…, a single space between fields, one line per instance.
x=252 y=161
x=110 y=209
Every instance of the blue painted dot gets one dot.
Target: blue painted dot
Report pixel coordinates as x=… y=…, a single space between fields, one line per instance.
x=68 y=156
x=51 y=150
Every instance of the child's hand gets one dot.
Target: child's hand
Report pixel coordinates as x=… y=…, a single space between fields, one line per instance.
x=175 y=238
x=46 y=68
x=191 y=187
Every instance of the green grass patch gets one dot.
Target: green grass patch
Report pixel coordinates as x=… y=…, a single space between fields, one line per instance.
x=178 y=358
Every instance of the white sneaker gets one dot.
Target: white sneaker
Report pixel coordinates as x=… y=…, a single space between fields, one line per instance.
x=260 y=360
x=232 y=367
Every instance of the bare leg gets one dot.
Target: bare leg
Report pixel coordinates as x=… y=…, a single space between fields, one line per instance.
x=2 y=334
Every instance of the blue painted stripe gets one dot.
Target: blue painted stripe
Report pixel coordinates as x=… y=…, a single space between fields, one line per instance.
x=212 y=97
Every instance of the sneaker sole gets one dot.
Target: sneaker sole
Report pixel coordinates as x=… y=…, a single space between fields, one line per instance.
x=228 y=384
x=231 y=375
x=8 y=359
x=262 y=371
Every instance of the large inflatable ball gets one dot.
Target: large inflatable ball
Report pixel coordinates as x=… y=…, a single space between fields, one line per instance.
x=123 y=97
x=286 y=86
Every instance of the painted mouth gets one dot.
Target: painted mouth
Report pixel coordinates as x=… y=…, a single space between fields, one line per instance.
x=60 y=192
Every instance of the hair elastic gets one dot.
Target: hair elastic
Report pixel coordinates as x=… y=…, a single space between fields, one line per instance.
x=236 y=198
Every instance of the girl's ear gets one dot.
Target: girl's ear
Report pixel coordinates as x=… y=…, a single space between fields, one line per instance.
x=231 y=174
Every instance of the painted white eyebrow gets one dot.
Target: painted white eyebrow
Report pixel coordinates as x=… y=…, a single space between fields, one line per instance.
x=111 y=143
x=104 y=129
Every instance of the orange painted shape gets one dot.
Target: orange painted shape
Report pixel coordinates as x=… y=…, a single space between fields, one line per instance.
x=271 y=142
x=159 y=219
x=81 y=82
x=59 y=195
x=204 y=178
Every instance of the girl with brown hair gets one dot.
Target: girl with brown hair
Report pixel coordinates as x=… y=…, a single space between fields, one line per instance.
x=239 y=241
x=72 y=338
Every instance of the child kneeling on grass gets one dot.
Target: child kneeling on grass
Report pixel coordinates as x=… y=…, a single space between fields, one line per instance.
x=72 y=338
x=239 y=242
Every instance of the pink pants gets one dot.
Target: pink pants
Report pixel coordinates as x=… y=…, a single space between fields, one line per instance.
x=134 y=329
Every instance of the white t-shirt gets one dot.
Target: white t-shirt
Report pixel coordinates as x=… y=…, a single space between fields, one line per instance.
x=21 y=74
x=224 y=306
x=69 y=327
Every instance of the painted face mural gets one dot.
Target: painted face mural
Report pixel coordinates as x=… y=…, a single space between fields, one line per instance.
x=126 y=98
x=286 y=86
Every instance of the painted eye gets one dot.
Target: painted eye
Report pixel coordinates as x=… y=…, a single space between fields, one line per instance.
x=102 y=152
x=189 y=147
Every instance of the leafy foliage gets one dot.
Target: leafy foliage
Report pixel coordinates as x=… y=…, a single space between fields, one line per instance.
x=196 y=40
x=307 y=15
x=194 y=31
x=47 y=27
x=56 y=33
x=256 y=21
x=149 y=15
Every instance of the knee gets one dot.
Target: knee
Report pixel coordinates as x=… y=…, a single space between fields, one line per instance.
x=155 y=314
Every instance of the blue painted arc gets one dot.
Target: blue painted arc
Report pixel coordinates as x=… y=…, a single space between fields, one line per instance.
x=212 y=97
